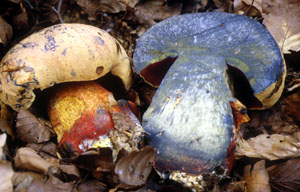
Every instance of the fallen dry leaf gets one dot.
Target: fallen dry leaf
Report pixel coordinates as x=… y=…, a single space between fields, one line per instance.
x=71 y=170
x=236 y=186
x=271 y=147
x=5 y=120
x=3 y=137
x=285 y=177
x=45 y=150
x=95 y=160
x=21 y=20
x=60 y=185
x=27 y=159
x=21 y=180
x=52 y=185
x=238 y=4
x=5 y=32
x=257 y=178
x=6 y=177
x=282 y=19
x=270 y=121
x=91 y=7
x=135 y=168
x=30 y=129
x=292 y=107
x=6 y=128
x=150 y=12
x=223 y=5
x=92 y=185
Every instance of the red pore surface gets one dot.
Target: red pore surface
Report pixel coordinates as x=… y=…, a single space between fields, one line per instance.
x=155 y=72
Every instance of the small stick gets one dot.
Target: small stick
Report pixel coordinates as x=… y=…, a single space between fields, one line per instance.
x=57 y=11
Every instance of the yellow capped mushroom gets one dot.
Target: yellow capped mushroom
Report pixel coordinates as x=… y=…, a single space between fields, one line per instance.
x=60 y=53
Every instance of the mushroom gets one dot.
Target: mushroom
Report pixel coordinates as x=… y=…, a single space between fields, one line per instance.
x=56 y=54
x=84 y=115
x=203 y=64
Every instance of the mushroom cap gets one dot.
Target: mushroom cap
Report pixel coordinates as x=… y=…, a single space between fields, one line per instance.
x=56 y=54
x=190 y=121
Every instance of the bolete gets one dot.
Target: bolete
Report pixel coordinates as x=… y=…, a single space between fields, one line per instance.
x=203 y=64
x=56 y=54
x=83 y=114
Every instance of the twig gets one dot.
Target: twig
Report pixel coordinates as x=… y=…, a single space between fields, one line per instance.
x=57 y=11
x=248 y=10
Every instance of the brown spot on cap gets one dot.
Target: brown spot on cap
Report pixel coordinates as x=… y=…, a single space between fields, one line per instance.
x=99 y=70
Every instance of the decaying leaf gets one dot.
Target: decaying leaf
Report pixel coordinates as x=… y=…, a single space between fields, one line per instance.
x=21 y=180
x=292 y=107
x=44 y=150
x=2 y=144
x=285 y=177
x=52 y=184
x=271 y=147
x=236 y=186
x=5 y=32
x=135 y=168
x=245 y=5
x=257 y=178
x=6 y=177
x=223 y=5
x=5 y=120
x=91 y=7
x=71 y=170
x=30 y=129
x=95 y=160
x=21 y=20
x=6 y=128
x=92 y=185
x=153 y=11
x=270 y=121
x=27 y=159
x=282 y=19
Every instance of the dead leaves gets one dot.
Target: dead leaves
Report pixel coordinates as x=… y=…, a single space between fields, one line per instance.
x=91 y=7
x=27 y=159
x=6 y=177
x=31 y=129
x=293 y=106
x=154 y=11
x=5 y=32
x=285 y=177
x=135 y=168
x=22 y=180
x=282 y=19
x=5 y=168
x=257 y=178
x=2 y=144
x=271 y=147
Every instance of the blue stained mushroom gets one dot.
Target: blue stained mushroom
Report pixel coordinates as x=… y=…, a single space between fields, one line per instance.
x=201 y=63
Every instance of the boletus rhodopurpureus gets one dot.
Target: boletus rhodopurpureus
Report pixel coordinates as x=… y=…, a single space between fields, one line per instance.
x=83 y=114
x=56 y=54
x=202 y=65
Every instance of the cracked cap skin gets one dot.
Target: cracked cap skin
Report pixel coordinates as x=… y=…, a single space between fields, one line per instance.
x=190 y=121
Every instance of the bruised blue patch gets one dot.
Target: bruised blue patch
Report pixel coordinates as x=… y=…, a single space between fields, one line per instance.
x=100 y=40
x=100 y=111
x=73 y=73
x=50 y=45
x=64 y=52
